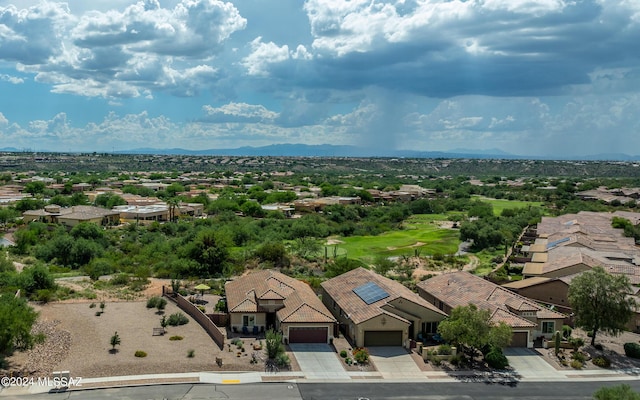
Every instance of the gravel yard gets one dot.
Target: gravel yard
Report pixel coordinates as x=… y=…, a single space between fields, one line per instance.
x=79 y=341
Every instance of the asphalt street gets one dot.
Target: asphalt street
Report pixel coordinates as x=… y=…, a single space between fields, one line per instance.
x=487 y=390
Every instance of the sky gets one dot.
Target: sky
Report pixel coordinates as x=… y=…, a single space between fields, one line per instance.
x=554 y=78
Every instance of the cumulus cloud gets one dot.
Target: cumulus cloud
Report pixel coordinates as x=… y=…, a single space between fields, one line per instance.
x=120 y=53
x=263 y=55
x=238 y=112
x=11 y=79
x=33 y=36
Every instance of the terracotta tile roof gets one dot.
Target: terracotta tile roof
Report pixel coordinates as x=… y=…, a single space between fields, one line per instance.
x=525 y=283
x=514 y=321
x=462 y=288
x=300 y=302
x=615 y=262
x=341 y=288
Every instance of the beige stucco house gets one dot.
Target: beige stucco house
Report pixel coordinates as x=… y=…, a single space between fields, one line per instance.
x=376 y=311
x=268 y=299
x=72 y=216
x=527 y=319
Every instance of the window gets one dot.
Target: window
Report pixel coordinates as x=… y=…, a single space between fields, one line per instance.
x=248 y=320
x=429 y=327
x=548 y=326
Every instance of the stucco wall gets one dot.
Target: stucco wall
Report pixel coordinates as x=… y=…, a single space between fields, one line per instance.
x=381 y=323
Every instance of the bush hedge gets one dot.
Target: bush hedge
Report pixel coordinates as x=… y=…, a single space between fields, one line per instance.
x=632 y=350
x=177 y=319
x=495 y=359
x=140 y=353
x=601 y=361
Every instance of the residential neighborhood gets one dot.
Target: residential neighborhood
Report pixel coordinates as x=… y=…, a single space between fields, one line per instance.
x=299 y=278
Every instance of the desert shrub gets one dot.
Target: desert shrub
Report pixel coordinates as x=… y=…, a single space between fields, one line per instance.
x=92 y=305
x=201 y=308
x=575 y=364
x=495 y=359
x=273 y=343
x=576 y=343
x=98 y=313
x=191 y=353
x=598 y=346
x=601 y=361
x=176 y=337
x=632 y=350
x=140 y=354
x=221 y=305
x=566 y=331
x=348 y=361
x=621 y=392
x=458 y=360
x=444 y=349
x=283 y=360
x=343 y=353
x=119 y=280
x=162 y=304
x=153 y=302
x=579 y=357
x=361 y=355
x=434 y=360
x=43 y=295
x=177 y=319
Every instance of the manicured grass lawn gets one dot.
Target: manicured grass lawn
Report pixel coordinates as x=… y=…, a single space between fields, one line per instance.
x=420 y=232
x=501 y=204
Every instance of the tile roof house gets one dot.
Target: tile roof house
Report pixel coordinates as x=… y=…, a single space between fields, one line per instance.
x=269 y=299
x=555 y=292
x=527 y=319
x=376 y=311
x=573 y=243
x=72 y=216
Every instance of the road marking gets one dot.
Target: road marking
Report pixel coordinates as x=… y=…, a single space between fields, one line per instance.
x=230 y=381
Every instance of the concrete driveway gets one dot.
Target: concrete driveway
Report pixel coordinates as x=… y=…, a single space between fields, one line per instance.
x=527 y=363
x=318 y=361
x=395 y=363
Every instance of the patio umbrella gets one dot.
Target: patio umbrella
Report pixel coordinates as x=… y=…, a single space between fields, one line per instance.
x=202 y=287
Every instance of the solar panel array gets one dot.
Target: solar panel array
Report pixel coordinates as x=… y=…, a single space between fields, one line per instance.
x=557 y=242
x=370 y=292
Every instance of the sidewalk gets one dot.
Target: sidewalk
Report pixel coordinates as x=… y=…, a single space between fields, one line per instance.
x=230 y=378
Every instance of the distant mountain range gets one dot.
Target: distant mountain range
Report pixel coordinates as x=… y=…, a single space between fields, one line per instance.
x=328 y=150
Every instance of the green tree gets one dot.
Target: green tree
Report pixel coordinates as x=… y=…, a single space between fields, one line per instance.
x=36 y=278
x=471 y=328
x=7 y=215
x=273 y=252
x=109 y=200
x=211 y=250
x=601 y=301
x=16 y=320
x=29 y=204
x=114 y=341
x=620 y=392
x=252 y=209
x=24 y=239
x=306 y=247
x=34 y=187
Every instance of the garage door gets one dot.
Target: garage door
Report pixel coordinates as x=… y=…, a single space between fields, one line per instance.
x=382 y=338
x=519 y=339
x=314 y=334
